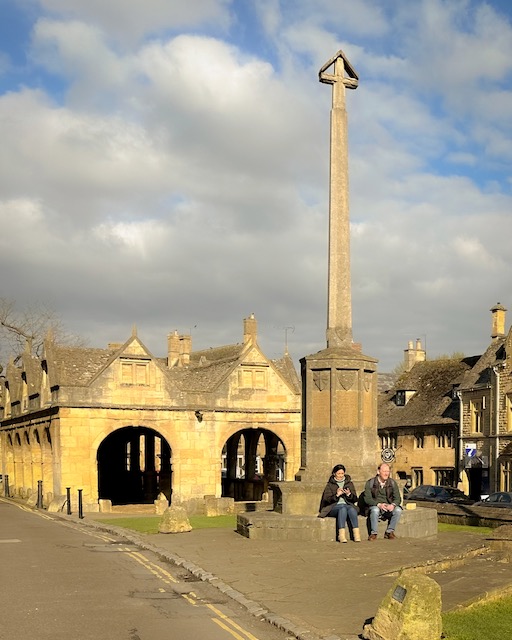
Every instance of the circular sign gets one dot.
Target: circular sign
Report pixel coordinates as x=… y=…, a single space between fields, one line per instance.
x=387 y=455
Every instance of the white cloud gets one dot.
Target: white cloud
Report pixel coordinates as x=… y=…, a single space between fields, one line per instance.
x=184 y=180
x=130 y=20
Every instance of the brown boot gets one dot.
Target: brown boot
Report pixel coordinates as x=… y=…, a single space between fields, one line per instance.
x=342 y=536
x=357 y=535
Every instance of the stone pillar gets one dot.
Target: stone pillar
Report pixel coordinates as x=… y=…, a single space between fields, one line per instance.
x=339 y=384
x=339 y=301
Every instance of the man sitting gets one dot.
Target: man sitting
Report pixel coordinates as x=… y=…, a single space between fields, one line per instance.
x=382 y=496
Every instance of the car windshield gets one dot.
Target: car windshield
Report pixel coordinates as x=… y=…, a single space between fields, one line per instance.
x=455 y=493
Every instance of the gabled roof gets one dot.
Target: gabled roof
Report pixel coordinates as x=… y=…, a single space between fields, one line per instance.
x=207 y=369
x=285 y=367
x=480 y=374
x=432 y=403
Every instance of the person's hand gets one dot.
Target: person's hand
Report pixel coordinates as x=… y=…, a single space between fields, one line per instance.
x=346 y=492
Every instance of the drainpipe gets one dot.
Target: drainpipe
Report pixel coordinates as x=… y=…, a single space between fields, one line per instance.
x=460 y=448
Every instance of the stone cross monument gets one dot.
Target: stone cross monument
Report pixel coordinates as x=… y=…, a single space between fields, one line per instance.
x=339 y=383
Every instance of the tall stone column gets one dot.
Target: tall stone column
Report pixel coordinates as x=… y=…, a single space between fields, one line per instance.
x=339 y=384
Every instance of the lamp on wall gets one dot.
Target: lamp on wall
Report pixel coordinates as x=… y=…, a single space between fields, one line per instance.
x=199 y=415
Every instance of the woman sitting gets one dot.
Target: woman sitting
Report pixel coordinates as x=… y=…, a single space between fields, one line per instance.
x=338 y=501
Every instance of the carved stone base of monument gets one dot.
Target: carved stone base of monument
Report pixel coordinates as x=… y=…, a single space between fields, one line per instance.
x=339 y=387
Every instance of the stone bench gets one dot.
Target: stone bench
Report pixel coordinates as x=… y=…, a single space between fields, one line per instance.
x=269 y=525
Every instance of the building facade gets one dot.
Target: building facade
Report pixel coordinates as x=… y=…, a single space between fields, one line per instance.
x=449 y=421
x=125 y=426
x=486 y=409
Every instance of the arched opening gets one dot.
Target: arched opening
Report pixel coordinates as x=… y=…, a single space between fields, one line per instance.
x=251 y=458
x=134 y=466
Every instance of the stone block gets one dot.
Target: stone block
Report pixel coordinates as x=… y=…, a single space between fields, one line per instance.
x=297 y=498
x=57 y=504
x=411 y=610
x=105 y=506
x=414 y=523
x=218 y=506
x=32 y=500
x=161 y=504
x=500 y=541
x=174 y=520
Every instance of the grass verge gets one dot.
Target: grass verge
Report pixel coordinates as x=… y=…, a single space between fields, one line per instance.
x=480 y=531
x=149 y=524
x=490 y=620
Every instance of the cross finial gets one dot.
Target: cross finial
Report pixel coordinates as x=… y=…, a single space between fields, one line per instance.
x=343 y=72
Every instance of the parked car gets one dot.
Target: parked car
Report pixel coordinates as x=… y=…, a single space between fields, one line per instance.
x=500 y=499
x=434 y=493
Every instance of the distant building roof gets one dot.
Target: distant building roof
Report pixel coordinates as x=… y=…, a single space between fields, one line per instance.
x=432 y=401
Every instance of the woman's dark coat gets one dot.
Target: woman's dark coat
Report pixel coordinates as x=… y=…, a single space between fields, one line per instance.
x=329 y=497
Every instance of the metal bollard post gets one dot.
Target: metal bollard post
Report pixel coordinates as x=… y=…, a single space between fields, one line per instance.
x=39 y=504
x=80 y=506
x=68 y=500
x=6 y=486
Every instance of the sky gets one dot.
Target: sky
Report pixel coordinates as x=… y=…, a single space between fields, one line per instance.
x=165 y=164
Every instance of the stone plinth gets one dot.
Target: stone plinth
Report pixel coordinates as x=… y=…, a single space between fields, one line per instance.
x=297 y=498
x=269 y=525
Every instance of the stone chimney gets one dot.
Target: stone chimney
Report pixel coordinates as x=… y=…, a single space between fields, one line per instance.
x=498 y=321
x=250 y=329
x=173 y=349
x=185 y=349
x=412 y=354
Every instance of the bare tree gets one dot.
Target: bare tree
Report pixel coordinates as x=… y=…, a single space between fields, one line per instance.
x=29 y=326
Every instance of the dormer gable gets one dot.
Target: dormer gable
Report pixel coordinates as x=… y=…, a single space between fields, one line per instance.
x=402 y=396
x=131 y=362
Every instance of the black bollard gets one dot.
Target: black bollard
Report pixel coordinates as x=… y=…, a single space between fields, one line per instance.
x=39 y=494
x=6 y=486
x=80 y=506
x=68 y=500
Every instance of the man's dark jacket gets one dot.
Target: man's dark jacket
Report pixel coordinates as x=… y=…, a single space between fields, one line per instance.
x=391 y=489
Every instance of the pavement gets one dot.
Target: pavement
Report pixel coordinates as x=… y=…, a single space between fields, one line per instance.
x=324 y=590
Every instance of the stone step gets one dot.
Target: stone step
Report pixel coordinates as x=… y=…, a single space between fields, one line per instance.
x=418 y=523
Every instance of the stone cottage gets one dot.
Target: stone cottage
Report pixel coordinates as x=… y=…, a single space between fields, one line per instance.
x=418 y=419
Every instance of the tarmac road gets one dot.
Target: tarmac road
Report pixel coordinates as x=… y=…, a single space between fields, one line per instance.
x=61 y=580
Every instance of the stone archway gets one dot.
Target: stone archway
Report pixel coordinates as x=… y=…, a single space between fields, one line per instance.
x=251 y=458
x=134 y=466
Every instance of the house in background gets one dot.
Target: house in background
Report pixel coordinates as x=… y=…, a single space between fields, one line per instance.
x=449 y=421
x=125 y=426
x=418 y=418
x=486 y=414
